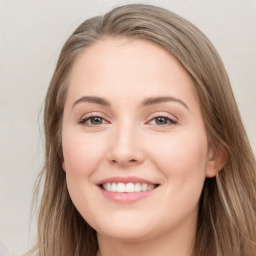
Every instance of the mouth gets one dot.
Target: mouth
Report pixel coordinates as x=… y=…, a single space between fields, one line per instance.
x=129 y=187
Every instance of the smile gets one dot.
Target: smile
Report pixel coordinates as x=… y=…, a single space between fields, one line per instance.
x=127 y=187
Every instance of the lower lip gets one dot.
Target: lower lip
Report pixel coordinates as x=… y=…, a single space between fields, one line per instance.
x=126 y=197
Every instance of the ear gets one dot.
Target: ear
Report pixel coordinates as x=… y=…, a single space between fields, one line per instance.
x=216 y=160
x=64 y=166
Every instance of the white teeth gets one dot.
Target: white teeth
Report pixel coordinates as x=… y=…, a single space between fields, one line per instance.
x=150 y=187
x=144 y=187
x=128 y=187
x=114 y=187
x=108 y=188
x=120 y=187
x=137 y=187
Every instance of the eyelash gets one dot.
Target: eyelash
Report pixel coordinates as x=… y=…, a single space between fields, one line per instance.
x=169 y=120
x=86 y=119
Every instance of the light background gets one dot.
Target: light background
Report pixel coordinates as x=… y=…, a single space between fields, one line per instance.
x=31 y=35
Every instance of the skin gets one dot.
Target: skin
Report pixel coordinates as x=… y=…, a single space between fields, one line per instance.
x=129 y=140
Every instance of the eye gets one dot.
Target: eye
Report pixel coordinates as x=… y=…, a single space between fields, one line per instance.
x=162 y=120
x=93 y=121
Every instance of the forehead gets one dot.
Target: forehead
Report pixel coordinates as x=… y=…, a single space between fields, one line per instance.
x=128 y=67
x=127 y=54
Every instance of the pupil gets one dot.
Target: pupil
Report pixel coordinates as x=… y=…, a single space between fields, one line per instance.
x=161 y=120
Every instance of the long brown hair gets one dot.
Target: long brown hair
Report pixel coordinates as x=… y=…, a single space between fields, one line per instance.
x=227 y=214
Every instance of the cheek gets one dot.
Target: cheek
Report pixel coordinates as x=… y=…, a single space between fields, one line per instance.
x=82 y=156
x=82 y=153
x=182 y=157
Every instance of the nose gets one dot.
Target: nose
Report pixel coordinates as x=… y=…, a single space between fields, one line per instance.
x=126 y=147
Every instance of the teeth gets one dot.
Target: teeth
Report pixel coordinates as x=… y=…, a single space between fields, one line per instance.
x=137 y=187
x=120 y=187
x=128 y=187
x=150 y=187
x=113 y=187
x=144 y=187
x=109 y=185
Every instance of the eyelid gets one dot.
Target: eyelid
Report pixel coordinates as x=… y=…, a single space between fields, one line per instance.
x=171 y=117
x=93 y=114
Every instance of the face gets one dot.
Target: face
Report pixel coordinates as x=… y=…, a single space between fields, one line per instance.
x=134 y=141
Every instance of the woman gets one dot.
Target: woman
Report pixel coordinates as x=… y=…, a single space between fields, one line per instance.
x=146 y=153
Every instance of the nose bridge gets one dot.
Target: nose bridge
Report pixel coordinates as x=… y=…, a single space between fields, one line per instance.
x=126 y=144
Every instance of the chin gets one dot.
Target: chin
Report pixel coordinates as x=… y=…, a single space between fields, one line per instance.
x=126 y=231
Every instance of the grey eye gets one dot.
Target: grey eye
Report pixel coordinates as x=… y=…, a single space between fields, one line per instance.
x=96 y=120
x=93 y=120
x=160 y=120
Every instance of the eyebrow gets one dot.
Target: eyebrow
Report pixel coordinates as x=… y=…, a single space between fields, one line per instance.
x=92 y=99
x=158 y=100
x=145 y=103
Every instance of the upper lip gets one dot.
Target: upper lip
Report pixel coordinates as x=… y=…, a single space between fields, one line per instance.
x=129 y=179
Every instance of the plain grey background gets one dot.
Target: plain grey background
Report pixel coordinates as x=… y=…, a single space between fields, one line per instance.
x=31 y=35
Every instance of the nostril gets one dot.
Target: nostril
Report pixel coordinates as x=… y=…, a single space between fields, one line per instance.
x=129 y=161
